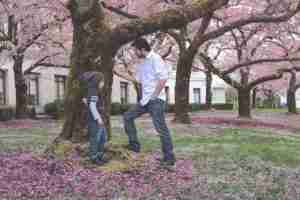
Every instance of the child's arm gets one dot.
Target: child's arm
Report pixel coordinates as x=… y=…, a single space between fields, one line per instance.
x=84 y=100
x=94 y=111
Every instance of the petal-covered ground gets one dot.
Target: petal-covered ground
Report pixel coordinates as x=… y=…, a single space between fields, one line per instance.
x=28 y=176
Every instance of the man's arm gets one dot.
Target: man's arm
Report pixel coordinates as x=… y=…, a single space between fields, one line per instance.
x=159 y=87
x=162 y=74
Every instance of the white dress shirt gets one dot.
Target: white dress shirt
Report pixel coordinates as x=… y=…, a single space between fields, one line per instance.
x=149 y=72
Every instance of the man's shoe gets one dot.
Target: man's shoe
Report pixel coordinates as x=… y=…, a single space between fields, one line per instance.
x=131 y=148
x=164 y=162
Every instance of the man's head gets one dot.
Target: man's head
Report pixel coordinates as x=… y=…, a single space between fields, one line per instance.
x=142 y=47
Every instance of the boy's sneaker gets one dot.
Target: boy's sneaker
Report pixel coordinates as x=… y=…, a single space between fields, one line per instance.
x=99 y=161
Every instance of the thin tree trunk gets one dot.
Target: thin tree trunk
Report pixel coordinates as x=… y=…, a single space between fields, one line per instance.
x=182 y=86
x=291 y=101
x=291 y=94
x=244 y=103
x=254 y=93
x=20 y=84
x=208 y=99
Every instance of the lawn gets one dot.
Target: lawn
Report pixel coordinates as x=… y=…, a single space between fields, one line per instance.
x=237 y=163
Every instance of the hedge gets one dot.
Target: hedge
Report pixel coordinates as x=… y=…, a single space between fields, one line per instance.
x=118 y=108
x=55 y=109
x=6 y=113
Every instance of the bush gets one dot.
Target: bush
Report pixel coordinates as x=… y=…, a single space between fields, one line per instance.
x=55 y=109
x=6 y=113
x=118 y=108
x=31 y=112
x=223 y=106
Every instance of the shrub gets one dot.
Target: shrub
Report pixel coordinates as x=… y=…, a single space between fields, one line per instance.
x=55 y=109
x=6 y=113
x=223 y=106
x=118 y=108
x=31 y=112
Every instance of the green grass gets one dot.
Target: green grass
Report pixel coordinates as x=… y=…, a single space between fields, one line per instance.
x=236 y=143
x=235 y=164
x=28 y=139
x=232 y=144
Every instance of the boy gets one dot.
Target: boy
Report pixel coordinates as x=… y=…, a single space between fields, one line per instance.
x=96 y=129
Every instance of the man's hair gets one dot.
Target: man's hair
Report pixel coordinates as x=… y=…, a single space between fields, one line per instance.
x=141 y=43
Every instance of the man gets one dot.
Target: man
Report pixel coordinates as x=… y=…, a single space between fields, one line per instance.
x=152 y=74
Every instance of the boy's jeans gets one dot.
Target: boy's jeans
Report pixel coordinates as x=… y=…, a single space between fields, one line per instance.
x=97 y=139
x=156 y=109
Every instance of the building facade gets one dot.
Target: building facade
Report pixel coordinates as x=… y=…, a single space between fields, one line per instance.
x=47 y=84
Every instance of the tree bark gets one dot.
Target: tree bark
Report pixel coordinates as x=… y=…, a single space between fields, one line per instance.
x=254 y=93
x=88 y=26
x=182 y=86
x=208 y=99
x=244 y=103
x=20 y=85
x=291 y=94
x=291 y=101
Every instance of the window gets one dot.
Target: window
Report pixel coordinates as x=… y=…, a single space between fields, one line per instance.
x=124 y=92
x=2 y=88
x=197 y=95
x=32 y=83
x=218 y=95
x=60 y=82
x=167 y=91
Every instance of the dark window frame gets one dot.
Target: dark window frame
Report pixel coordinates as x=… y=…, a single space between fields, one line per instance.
x=3 y=75
x=124 y=86
x=58 y=80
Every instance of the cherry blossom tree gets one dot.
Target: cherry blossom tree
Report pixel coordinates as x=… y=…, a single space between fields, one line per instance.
x=28 y=34
x=96 y=41
x=240 y=14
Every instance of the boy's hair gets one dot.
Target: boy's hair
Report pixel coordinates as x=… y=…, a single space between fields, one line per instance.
x=141 y=43
x=92 y=75
x=99 y=77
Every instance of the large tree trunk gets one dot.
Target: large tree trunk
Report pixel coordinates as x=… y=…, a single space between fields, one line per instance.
x=20 y=84
x=89 y=30
x=244 y=103
x=182 y=87
x=208 y=99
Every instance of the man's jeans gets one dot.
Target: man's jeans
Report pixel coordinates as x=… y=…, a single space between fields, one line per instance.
x=97 y=139
x=156 y=109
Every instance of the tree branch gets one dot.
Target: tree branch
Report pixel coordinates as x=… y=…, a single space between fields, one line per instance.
x=208 y=64
x=247 y=64
x=253 y=19
x=271 y=77
x=119 y=11
x=172 y=18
